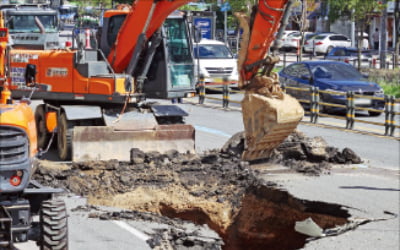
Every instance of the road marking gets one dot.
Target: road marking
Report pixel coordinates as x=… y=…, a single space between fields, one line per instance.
x=132 y=230
x=212 y=131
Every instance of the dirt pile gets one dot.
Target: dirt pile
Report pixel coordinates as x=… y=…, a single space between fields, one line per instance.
x=214 y=188
x=311 y=156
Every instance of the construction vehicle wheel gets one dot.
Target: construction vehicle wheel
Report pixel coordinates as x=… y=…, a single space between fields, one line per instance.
x=64 y=137
x=43 y=136
x=53 y=225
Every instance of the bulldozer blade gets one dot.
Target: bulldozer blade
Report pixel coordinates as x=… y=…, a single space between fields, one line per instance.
x=107 y=143
x=268 y=121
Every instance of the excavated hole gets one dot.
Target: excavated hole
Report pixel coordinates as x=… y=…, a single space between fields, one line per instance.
x=266 y=219
x=215 y=188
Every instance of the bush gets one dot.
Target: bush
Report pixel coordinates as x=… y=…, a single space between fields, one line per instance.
x=388 y=79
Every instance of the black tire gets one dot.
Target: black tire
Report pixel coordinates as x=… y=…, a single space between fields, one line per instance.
x=372 y=113
x=43 y=136
x=64 y=137
x=53 y=225
x=329 y=49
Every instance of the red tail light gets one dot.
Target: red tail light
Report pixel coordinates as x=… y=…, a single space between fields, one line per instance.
x=15 y=180
x=319 y=43
x=346 y=60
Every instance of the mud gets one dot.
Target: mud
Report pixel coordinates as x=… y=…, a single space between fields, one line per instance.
x=215 y=188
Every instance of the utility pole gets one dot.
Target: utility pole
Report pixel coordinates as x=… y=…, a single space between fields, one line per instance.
x=383 y=42
x=397 y=32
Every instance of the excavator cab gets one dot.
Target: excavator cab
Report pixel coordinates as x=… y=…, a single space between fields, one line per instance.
x=167 y=68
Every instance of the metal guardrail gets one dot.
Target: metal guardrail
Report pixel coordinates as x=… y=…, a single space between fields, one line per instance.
x=316 y=106
x=373 y=63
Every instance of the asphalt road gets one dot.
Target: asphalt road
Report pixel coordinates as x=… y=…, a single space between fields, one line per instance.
x=369 y=188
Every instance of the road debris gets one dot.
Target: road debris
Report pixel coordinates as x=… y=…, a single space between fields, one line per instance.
x=308 y=227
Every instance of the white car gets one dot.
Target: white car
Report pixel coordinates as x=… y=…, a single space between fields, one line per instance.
x=325 y=42
x=216 y=62
x=292 y=41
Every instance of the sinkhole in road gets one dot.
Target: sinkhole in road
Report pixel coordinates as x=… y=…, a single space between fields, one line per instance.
x=265 y=219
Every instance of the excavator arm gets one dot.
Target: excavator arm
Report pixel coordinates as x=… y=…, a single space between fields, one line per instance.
x=269 y=115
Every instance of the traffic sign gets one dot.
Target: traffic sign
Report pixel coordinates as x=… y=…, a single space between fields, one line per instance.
x=225 y=7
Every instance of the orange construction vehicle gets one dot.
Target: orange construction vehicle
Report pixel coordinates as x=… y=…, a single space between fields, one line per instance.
x=20 y=197
x=93 y=99
x=86 y=103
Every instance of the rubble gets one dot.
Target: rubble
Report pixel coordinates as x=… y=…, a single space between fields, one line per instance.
x=215 y=188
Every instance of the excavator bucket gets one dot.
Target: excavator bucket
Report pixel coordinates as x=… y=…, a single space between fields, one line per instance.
x=269 y=115
x=132 y=130
x=267 y=122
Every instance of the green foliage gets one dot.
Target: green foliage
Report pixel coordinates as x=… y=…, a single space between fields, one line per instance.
x=388 y=79
x=339 y=8
x=391 y=89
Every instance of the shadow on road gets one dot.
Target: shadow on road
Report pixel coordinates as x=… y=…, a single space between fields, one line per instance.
x=370 y=188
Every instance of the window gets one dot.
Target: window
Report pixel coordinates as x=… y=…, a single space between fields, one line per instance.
x=212 y=51
x=113 y=29
x=178 y=40
x=337 y=72
x=342 y=38
x=297 y=70
x=25 y=23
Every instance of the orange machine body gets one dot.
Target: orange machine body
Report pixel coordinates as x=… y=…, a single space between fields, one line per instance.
x=20 y=115
x=59 y=79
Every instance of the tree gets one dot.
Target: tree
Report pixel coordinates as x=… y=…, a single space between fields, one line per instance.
x=359 y=11
x=301 y=20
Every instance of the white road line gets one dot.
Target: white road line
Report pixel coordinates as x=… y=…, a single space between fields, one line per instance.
x=212 y=131
x=132 y=230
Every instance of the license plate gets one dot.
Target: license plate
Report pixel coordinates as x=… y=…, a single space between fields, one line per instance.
x=362 y=101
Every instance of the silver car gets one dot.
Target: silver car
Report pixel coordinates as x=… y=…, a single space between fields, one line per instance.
x=323 y=43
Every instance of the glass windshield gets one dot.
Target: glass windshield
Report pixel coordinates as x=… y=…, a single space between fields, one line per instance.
x=68 y=10
x=20 y=24
x=178 y=41
x=115 y=24
x=335 y=71
x=179 y=52
x=212 y=51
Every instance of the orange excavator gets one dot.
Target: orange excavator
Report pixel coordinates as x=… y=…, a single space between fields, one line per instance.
x=22 y=198
x=93 y=99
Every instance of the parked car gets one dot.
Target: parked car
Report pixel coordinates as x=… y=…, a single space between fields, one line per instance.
x=350 y=55
x=288 y=32
x=331 y=76
x=216 y=62
x=323 y=43
x=292 y=41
